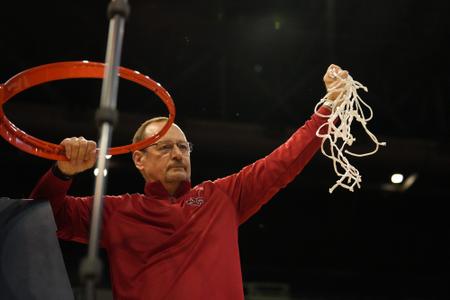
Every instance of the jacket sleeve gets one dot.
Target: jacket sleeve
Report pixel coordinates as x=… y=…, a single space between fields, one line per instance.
x=72 y=214
x=257 y=183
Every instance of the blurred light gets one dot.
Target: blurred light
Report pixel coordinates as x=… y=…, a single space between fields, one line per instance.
x=277 y=25
x=258 y=68
x=105 y=172
x=409 y=181
x=108 y=156
x=397 y=178
x=399 y=183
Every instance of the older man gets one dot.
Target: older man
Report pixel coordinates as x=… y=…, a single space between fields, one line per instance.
x=175 y=241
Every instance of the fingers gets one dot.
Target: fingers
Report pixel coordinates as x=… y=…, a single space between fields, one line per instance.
x=334 y=76
x=335 y=72
x=335 y=82
x=78 y=149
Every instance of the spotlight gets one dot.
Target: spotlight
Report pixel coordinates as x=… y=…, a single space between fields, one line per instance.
x=399 y=183
x=397 y=178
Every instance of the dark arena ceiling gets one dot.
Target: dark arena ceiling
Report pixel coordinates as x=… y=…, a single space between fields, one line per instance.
x=243 y=76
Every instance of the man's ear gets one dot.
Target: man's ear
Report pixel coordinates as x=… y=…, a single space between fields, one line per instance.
x=138 y=159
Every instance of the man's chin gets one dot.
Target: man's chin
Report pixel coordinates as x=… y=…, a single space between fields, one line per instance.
x=177 y=175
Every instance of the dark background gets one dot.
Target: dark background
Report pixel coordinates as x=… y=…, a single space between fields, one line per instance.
x=244 y=75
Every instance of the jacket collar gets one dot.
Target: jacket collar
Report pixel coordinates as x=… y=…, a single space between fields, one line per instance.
x=156 y=189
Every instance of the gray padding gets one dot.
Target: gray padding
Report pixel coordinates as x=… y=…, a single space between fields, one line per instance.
x=31 y=263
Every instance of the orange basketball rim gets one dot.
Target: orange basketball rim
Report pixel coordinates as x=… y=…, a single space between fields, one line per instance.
x=70 y=70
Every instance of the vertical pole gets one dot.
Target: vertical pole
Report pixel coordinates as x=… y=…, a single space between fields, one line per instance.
x=106 y=117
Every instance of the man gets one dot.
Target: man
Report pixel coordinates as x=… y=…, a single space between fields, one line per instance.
x=176 y=241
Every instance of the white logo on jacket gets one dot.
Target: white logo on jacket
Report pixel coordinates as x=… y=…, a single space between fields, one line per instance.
x=195 y=201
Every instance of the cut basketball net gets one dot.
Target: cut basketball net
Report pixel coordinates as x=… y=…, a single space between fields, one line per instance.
x=346 y=107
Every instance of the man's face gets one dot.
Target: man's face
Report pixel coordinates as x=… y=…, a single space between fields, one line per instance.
x=161 y=162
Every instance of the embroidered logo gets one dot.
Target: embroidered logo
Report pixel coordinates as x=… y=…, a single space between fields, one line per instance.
x=195 y=201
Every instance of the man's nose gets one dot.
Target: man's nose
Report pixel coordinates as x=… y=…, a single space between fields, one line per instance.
x=176 y=152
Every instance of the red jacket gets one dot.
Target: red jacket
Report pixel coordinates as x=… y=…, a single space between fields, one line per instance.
x=182 y=247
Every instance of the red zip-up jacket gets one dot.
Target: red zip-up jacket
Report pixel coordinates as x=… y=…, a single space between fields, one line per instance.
x=185 y=246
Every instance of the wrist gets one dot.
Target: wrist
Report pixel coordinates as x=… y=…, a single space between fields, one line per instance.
x=60 y=174
x=328 y=104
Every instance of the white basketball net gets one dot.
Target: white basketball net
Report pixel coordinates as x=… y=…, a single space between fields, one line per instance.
x=348 y=107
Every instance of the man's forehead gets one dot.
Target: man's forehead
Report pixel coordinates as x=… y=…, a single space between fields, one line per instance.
x=173 y=132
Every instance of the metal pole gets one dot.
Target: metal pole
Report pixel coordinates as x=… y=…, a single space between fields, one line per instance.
x=106 y=117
